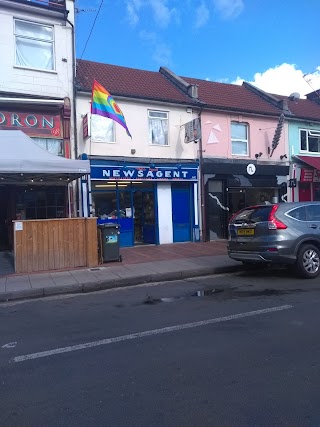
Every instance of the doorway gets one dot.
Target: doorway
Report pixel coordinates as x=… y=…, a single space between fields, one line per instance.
x=144 y=216
x=4 y=220
x=181 y=212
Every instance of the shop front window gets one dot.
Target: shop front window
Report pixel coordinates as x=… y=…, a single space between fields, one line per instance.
x=41 y=203
x=106 y=205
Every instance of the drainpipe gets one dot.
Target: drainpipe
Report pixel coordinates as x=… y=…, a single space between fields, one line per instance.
x=75 y=130
x=74 y=91
x=202 y=188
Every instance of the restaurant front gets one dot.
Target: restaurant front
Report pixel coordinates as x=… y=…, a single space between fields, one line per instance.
x=34 y=185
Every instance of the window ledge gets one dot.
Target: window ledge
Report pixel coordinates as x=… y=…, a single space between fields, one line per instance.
x=40 y=70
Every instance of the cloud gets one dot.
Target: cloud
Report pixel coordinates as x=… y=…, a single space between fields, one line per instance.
x=162 y=14
x=161 y=52
x=285 y=79
x=162 y=55
x=133 y=8
x=202 y=15
x=229 y=9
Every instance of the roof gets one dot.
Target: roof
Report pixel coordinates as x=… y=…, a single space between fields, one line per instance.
x=156 y=86
x=224 y=96
x=129 y=82
x=303 y=108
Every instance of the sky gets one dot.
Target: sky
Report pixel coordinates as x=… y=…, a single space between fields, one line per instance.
x=273 y=44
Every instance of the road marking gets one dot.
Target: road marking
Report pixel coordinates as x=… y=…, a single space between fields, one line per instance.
x=136 y=335
x=10 y=344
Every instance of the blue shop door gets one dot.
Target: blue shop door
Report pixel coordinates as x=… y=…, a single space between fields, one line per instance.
x=181 y=213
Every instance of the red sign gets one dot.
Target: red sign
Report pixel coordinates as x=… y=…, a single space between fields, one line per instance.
x=33 y=124
x=85 y=127
x=306 y=175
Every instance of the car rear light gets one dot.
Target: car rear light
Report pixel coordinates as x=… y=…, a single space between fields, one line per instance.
x=273 y=222
x=233 y=216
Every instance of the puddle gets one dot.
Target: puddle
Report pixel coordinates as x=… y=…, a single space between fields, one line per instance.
x=219 y=294
x=150 y=300
x=206 y=292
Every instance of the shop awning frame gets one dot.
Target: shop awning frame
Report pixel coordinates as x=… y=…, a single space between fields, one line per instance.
x=312 y=161
x=21 y=160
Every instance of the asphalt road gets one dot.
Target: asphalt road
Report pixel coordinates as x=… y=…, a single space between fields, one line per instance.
x=231 y=350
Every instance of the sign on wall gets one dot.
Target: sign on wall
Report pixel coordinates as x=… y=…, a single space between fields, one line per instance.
x=32 y=124
x=143 y=173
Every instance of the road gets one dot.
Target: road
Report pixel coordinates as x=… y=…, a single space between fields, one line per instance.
x=226 y=350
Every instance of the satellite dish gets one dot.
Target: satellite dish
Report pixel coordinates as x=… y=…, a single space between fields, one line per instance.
x=294 y=96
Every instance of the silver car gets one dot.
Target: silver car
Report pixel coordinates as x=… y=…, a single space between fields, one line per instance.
x=283 y=233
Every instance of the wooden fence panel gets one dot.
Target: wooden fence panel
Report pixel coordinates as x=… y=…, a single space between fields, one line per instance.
x=53 y=244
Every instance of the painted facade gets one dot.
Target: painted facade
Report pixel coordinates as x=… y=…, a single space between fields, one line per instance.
x=149 y=188
x=232 y=180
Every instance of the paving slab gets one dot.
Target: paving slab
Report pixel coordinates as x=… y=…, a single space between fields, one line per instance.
x=41 y=281
x=84 y=276
x=63 y=278
x=18 y=283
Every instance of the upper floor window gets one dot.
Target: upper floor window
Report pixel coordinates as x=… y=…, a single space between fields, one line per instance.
x=310 y=140
x=239 y=139
x=34 y=45
x=158 y=127
x=102 y=129
x=54 y=146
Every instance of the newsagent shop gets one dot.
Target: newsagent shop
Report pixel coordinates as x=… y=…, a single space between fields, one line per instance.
x=154 y=203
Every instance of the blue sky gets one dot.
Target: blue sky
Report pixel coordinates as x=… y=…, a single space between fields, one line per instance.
x=273 y=44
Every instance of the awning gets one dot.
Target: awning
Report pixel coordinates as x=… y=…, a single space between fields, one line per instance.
x=21 y=159
x=310 y=160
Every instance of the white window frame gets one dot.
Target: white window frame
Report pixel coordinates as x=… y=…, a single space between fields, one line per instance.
x=52 y=42
x=239 y=139
x=161 y=118
x=309 y=133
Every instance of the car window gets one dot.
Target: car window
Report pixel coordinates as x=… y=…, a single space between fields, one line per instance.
x=298 y=213
x=252 y=215
x=313 y=213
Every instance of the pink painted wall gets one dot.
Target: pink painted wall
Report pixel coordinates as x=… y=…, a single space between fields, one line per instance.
x=216 y=136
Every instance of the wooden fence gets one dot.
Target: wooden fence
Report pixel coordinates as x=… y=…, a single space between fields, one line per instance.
x=53 y=244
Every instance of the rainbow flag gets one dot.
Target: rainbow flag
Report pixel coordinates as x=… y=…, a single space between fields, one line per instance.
x=104 y=105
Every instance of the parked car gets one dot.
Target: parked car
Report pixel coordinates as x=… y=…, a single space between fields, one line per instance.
x=281 y=233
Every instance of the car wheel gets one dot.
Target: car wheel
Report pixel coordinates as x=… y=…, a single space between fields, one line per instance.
x=308 y=261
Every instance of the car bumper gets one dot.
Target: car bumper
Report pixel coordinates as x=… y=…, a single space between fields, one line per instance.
x=263 y=257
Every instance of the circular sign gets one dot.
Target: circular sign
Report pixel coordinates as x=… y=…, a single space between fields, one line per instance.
x=251 y=169
x=55 y=132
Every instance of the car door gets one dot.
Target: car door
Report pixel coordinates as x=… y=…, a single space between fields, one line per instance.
x=313 y=220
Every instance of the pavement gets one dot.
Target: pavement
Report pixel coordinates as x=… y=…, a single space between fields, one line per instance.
x=140 y=264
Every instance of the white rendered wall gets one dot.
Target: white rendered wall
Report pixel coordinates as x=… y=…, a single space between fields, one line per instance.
x=165 y=213
x=136 y=115
x=57 y=83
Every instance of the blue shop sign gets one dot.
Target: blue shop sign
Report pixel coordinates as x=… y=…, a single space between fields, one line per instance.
x=143 y=173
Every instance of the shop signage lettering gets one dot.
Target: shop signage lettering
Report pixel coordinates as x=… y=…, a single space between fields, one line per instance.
x=306 y=175
x=143 y=173
x=33 y=124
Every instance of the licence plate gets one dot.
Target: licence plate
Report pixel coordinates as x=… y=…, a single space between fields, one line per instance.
x=246 y=232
